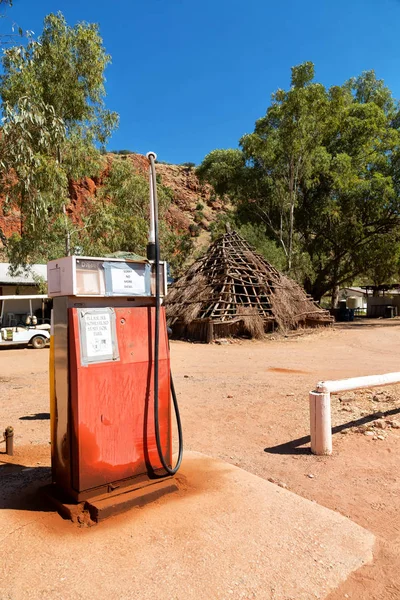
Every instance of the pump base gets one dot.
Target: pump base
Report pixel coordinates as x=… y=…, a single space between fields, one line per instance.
x=98 y=508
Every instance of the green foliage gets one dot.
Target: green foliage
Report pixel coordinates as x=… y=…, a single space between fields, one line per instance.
x=31 y=178
x=63 y=69
x=189 y=165
x=52 y=94
x=122 y=152
x=223 y=169
x=194 y=230
x=40 y=282
x=285 y=144
x=219 y=226
x=352 y=202
x=321 y=173
x=366 y=88
x=175 y=247
x=165 y=194
x=199 y=213
x=198 y=216
x=255 y=235
x=117 y=219
x=383 y=260
x=40 y=246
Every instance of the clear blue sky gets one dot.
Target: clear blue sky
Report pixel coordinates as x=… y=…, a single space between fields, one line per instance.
x=188 y=76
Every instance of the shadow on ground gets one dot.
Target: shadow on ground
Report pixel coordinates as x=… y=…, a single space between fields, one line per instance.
x=367 y=324
x=295 y=446
x=36 y=417
x=20 y=487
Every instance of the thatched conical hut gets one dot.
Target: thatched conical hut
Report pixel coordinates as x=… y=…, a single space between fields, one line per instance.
x=232 y=290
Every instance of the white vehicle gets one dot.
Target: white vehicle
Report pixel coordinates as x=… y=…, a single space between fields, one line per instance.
x=22 y=327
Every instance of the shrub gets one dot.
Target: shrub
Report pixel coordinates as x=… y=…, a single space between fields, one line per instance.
x=194 y=230
x=198 y=216
x=122 y=152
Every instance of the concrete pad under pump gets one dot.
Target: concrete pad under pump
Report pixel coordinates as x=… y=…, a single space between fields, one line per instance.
x=225 y=534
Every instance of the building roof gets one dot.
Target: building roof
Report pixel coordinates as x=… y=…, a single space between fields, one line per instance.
x=393 y=288
x=23 y=276
x=354 y=290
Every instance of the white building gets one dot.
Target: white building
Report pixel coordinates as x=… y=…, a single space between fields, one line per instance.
x=24 y=283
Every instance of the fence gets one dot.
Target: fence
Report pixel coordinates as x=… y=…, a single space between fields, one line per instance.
x=320 y=406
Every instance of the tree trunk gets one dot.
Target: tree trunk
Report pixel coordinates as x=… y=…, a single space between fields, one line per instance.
x=291 y=217
x=64 y=209
x=335 y=296
x=67 y=234
x=291 y=225
x=308 y=285
x=21 y=213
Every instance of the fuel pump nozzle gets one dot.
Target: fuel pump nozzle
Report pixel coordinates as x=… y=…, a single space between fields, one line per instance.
x=153 y=253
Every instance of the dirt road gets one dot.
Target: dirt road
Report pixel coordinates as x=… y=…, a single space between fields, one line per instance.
x=247 y=403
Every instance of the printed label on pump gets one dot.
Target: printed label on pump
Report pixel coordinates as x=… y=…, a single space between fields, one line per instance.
x=97 y=335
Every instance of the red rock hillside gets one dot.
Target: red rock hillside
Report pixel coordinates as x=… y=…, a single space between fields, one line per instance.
x=193 y=208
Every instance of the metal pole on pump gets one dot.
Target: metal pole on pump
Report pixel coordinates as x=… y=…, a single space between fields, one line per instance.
x=151 y=246
x=153 y=249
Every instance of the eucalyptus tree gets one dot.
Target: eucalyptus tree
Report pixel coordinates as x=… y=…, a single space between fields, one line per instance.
x=321 y=172
x=352 y=204
x=60 y=74
x=264 y=176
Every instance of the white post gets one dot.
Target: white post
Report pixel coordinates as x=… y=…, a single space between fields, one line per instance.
x=320 y=423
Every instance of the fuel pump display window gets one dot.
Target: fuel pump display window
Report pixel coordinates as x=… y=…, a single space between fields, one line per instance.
x=97 y=333
x=127 y=279
x=89 y=278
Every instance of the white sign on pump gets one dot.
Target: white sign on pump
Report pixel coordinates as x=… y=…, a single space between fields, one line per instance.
x=128 y=281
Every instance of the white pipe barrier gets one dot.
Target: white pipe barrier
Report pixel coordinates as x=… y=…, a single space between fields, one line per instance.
x=320 y=406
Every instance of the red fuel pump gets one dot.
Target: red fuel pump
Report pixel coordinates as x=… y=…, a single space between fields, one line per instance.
x=110 y=372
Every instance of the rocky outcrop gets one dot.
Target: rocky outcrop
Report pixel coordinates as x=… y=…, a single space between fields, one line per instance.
x=9 y=223
x=193 y=207
x=188 y=191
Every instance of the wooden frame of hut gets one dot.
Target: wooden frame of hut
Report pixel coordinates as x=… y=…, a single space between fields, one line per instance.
x=232 y=290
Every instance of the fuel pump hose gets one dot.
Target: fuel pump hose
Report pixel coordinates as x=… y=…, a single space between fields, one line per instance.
x=169 y=471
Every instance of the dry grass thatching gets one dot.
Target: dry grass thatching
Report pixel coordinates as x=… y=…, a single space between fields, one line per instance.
x=192 y=297
x=232 y=285
x=252 y=322
x=291 y=306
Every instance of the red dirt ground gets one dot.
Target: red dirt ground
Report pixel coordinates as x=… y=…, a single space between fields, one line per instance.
x=246 y=402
